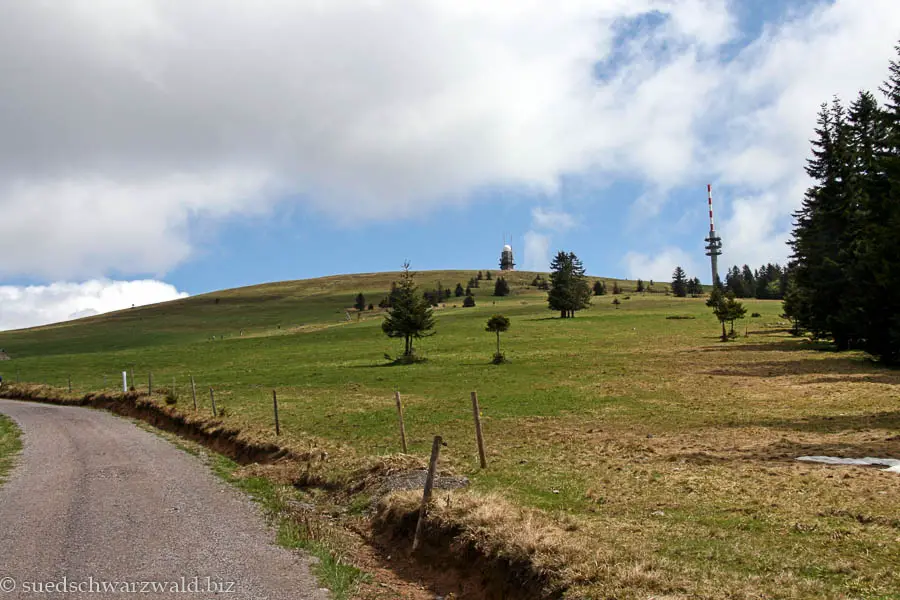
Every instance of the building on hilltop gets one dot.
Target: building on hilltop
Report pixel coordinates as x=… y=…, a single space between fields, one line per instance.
x=506 y=259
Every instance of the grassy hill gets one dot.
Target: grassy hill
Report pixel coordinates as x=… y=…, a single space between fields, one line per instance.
x=636 y=431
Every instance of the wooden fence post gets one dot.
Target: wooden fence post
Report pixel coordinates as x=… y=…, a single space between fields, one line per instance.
x=402 y=426
x=212 y=398
x=426 y=495
x=194 y=392
x=479 y=437
x=275 y=405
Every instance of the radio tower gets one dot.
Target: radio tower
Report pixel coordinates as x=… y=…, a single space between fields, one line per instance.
x=713 y=242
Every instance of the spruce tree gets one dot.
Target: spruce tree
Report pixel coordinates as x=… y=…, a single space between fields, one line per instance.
x=823 y=236
x=410 y=316
x=719 y=305
x=679 y=282
x=734 y=310
x=501 y=287
x=360 y=303
x=459 y=292
x=640 y=286
x=599 y=288
x=469 y=301
x=569 y=289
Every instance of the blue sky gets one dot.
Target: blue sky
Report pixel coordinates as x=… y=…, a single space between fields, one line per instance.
x=175 y=149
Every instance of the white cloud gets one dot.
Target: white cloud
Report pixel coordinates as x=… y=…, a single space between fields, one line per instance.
x=659 y=266
x=558 y=221
x=766 y=109
x=122 y=123
x=537 y=252
x=28 y=306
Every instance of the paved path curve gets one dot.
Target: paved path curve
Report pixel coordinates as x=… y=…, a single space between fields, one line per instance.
x=95 y=497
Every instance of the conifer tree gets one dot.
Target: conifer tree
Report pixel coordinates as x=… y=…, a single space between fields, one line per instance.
x=640 y=286
x=410 y=316
x=459 y=292
x=718 y=303
x=823 y=236
x=360 y=302
x=679 y=282
x=501 y=287
x=469 y=301
x=599 y=288
x=569 y=289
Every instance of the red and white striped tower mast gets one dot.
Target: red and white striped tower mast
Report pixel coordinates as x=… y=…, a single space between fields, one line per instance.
x=713 y=242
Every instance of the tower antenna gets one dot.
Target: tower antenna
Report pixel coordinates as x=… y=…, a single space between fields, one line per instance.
x=713 y=242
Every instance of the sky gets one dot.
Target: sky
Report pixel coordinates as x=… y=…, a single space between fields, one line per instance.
x=153 y=149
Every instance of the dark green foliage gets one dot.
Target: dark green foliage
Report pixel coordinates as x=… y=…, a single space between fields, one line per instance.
x=844 y=280
x=694 y=287
x=719 y=305
x=616 y=289
x=679 y=283
x=473 y=283
x=616 y=302
x=599 y=288
x=410 y=315
x=360 y=302
x=371 y=306
x=569 y=289
x=640 y=286
x=501 y=287
x=479 y=277
x=469 y=301
x=540 y=283
x=734 y=309
x=459 y=292
x=766 y=283
x=497 y=324
x=487 y=275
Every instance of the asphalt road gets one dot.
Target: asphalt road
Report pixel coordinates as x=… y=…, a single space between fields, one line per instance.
x=97 y=503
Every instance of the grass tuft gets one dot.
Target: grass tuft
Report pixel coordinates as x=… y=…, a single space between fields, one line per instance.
x=10 y=445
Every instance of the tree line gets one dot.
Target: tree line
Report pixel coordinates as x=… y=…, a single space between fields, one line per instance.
x=844 y=281
x=769 y=282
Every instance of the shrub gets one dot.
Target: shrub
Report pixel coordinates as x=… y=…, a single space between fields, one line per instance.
x=469 y=301
x=755 y=315
x=171 y=396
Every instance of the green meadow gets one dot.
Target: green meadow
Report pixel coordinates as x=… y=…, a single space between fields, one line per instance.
x=635 y=426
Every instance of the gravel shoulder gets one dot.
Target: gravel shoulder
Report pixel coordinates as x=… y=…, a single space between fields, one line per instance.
x=95 y=499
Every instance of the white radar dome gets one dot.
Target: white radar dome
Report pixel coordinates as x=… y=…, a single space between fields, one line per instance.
x=507 y=248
